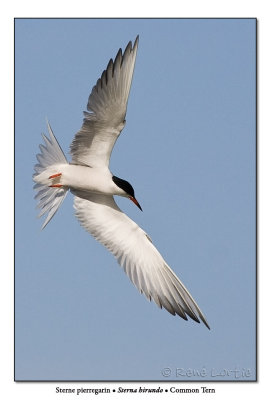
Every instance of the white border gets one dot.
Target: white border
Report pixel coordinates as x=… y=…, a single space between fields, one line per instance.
x=193 y=8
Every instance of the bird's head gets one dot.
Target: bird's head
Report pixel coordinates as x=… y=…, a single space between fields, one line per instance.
x=127 y=188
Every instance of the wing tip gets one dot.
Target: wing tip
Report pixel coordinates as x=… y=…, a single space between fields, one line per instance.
x=202 y=319
x=206 y=323
x=136 y=42
x=116 y=63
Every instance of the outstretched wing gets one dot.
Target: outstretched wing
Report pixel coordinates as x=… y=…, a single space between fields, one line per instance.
x=107 y=106
x=100 y=216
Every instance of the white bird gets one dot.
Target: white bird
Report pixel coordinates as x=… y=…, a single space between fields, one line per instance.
x=88 y=177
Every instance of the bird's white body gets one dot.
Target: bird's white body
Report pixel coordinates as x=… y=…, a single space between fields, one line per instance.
x=80 y=177
x=93 y=185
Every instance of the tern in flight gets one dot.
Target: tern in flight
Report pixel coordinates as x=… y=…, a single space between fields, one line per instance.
x=89 y=179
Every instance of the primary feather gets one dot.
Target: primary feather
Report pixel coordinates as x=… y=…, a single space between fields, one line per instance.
x=132 y=247
x=107 y=106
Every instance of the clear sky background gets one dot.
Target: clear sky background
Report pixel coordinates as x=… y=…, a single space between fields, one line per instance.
x=188 y=149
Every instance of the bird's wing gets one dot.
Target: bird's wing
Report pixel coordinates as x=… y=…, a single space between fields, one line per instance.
x=132 y=247
x=107 y=105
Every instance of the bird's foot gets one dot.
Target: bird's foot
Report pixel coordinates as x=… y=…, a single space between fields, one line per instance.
x=57 y=185
x=55 y=175
x=56 y=178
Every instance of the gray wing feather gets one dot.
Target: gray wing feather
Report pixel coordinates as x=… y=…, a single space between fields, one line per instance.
x=107 y=105
x=134 y=251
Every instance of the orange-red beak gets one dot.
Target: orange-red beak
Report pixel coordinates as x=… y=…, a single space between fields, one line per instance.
x=134 y=200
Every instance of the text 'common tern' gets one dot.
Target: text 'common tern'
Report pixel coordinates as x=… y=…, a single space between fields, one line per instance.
x=88 y=177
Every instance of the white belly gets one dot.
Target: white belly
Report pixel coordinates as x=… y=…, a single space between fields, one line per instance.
x=79 y=177
x=95 y=180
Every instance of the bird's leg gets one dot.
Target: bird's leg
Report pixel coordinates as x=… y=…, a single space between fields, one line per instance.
x=54 y=177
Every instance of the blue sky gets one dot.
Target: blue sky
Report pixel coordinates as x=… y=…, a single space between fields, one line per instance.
x=188 y=149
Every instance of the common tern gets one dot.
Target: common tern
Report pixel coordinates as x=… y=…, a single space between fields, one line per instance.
x=89 y=179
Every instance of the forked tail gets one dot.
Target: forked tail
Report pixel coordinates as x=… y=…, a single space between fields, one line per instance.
x=49 y=196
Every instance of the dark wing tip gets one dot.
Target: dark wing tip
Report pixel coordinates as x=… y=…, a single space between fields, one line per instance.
x=128 y=50
x=196 y=320
x=118 y=59
x=206 y=324
x=136 y=41
x=112 y=65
